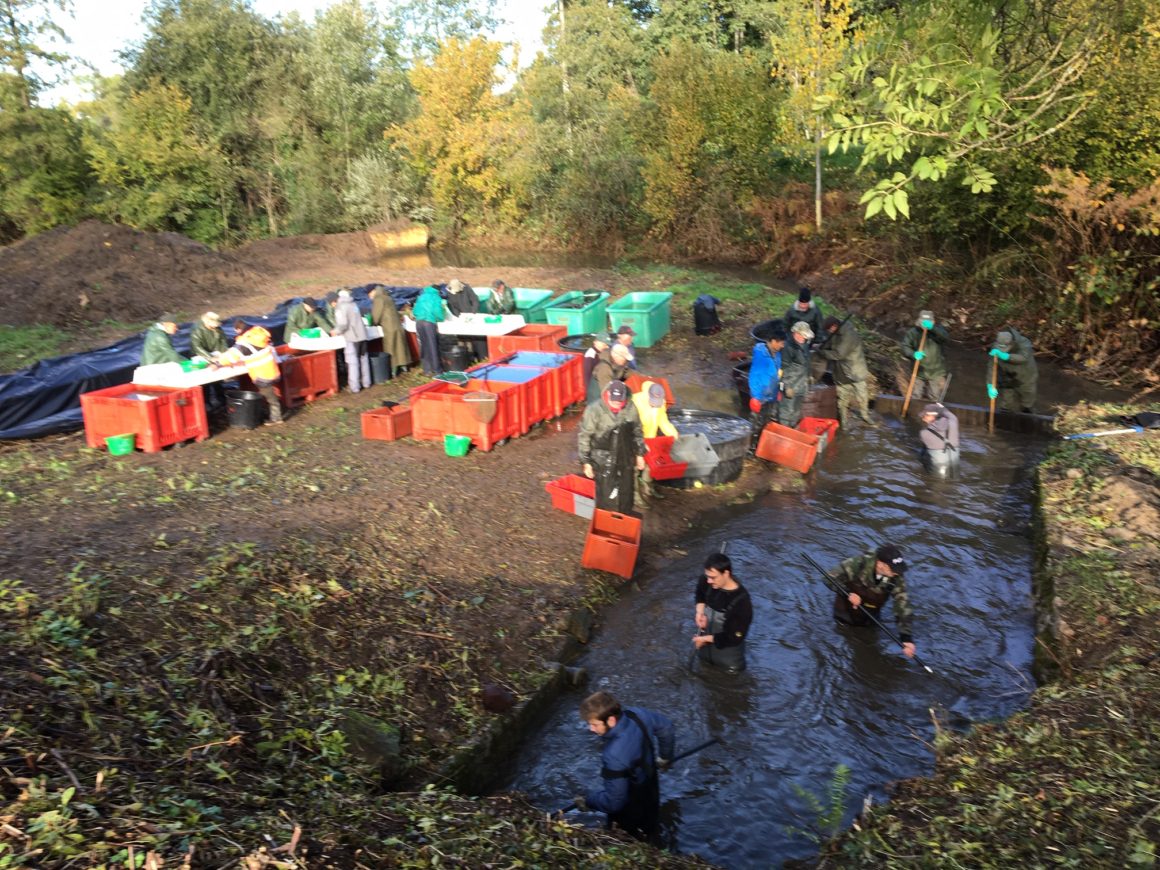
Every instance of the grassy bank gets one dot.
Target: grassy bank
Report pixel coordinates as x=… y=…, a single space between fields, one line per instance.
x=285 y=637
x=1074 y=780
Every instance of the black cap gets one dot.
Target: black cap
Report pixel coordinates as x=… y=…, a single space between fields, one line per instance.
x=892 y=556
x=310 y=300
x=617 y=391
x=332 y=296
x=804 y=295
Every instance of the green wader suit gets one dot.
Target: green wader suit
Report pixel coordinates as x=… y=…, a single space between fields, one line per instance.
x=610 y=443
x=932 y=369
x=859 y=575
x=1018 y=376
x=850 y=371
x=159 y=348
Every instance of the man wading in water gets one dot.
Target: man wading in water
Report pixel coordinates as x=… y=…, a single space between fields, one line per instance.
x=870 y=580
x=723 y=614
x=629 y=791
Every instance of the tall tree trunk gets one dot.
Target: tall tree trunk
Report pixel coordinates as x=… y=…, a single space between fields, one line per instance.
x=818 y=175
x=19 y=58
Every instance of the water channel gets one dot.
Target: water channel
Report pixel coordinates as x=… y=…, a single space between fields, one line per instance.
x=816 y=695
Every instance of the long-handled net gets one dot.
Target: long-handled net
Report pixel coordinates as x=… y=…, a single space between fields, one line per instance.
x=483 y=405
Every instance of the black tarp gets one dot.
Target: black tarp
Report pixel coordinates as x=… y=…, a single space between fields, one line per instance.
x=44 y=399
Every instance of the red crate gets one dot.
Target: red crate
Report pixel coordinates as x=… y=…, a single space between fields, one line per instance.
x=823 y=427
x=387 y=424
x=788 y=447
x=534 y=336
x=612 y=544
x=660 y=461
x=565 y=383
x=574 y=494
x=306 y=375
x=442 y=409
x=158 y=416
x=537 y=390
x=636 y=381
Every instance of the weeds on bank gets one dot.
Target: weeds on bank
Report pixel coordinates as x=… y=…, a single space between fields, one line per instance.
x=21 y=346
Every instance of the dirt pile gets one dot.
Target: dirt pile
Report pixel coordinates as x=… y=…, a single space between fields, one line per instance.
x=95 y=272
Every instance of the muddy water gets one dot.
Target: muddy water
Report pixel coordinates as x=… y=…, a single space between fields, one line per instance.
x=816 y=695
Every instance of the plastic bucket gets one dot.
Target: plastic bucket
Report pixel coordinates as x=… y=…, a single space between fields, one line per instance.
x=121 y=445
x=380 y=368
x=245 y=408
x=456 y=358
x=456 y=445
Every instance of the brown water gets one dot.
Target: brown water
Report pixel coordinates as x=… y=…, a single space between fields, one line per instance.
x=817 y=694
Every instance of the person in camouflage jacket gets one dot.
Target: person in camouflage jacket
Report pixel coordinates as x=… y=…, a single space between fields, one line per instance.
x=870 y=580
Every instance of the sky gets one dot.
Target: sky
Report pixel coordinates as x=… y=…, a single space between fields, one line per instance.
x=99 y=29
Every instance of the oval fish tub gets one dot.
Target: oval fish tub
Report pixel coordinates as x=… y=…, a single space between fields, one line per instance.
x=727 y=436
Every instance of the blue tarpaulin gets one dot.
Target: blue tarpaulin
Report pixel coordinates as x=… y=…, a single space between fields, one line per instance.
x=45 y=398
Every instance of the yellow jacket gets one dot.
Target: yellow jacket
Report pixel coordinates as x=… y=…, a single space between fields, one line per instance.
x=653 y=421
x=254 y=349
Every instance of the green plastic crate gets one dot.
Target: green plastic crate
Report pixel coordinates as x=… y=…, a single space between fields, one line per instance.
x=580 y=312
x=484 y=294
x=532 y=303
x=646 y=312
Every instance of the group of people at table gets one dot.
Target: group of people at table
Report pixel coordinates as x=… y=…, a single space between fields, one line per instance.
x=337 y=315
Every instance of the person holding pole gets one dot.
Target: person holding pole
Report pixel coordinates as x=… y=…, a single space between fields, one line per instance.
x=629 y=790
x=723 y=614
x=869 y=581
x=1014 y=374
x=923 y=343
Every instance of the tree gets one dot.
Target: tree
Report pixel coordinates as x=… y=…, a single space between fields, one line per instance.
x=44 y=175
x=26 y=28
x=715 y=116
x=159 y=172
x=458 y=140
x=955 y=82
x=429 y=23
x=811 y=41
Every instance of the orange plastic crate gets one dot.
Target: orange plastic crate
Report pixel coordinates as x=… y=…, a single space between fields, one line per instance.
x=612 y=544
x=439 y=409
x=158 y=416
x=574 y=494
x=387 y=424
x=823 y=427
x=534 y=336
x=660 y=461
x=536 y=388
x=788 y=447
x=635 y=382
x=306 y=375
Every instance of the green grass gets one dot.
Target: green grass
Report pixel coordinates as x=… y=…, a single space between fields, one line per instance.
x=21 y=346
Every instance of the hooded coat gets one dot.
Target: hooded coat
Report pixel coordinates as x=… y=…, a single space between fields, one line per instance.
x=299 y=319
x=158 y=348
x=385 y=314
x=846 y=352
x=934 y=364
x=812 y=315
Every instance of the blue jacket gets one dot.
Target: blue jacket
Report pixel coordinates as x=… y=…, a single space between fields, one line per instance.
x=625 y=752
x=764 y=373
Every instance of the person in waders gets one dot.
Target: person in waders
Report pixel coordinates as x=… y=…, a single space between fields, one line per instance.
x=870 y=581
x=629 y=791
x=724 y=612
x=611 y=447
x=940 y=439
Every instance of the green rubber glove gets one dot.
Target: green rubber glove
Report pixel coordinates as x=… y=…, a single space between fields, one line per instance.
x=992 y=393
x=1002 y=354
x=928 y=324
x=920 y=355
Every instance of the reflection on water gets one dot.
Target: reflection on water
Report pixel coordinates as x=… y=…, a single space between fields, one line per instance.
x=817 y=694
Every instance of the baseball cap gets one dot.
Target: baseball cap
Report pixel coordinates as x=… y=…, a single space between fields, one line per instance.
x=656 y=395
x=625 y=329
x=802 y=328
x=617 y=391
x=1004 y=339
x=892 y=556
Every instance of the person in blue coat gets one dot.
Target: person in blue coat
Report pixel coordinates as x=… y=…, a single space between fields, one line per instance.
x=765 y=375
x=629 y=791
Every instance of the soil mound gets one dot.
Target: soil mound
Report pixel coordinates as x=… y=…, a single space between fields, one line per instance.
x=94 y=272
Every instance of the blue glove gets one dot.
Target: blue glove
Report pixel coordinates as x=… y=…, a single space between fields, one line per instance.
x=928 y=324
x=1002 y=354
x=919 y=355
x=992 y=393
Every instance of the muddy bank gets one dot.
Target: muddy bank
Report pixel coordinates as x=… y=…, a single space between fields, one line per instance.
x=1074 y=777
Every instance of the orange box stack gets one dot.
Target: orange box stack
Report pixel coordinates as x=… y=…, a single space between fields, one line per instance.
x=534 y=336
x=612 y=544
x=788 y=447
